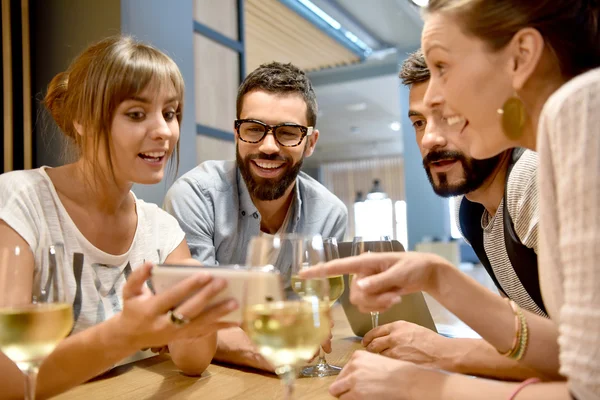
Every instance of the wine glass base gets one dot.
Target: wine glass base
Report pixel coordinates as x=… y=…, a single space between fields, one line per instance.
x=320 y=371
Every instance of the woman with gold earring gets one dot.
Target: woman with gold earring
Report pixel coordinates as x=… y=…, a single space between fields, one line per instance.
x=513 y=73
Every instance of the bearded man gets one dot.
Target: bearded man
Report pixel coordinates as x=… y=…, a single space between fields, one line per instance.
x=221 y=205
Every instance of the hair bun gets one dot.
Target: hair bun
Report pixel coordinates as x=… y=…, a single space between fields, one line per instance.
x=55 y=98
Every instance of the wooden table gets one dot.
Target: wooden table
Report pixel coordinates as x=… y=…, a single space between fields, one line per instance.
x=158 y=378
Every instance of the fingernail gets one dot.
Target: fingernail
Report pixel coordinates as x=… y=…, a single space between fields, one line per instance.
x=363 y=283
x=221 y=283
x=232 y=305
x=396 y=299
x=203 y=276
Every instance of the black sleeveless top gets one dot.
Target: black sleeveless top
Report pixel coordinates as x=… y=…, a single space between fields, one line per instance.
x=522 y=258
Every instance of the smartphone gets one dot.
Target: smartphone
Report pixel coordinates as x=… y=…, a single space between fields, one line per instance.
x=266 y=286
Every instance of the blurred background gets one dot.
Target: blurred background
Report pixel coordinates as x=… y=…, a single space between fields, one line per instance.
x=351 y=49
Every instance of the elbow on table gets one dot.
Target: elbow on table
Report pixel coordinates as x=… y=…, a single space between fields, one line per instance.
x=192 y=357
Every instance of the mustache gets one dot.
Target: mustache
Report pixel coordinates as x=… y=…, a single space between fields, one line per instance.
x=264 y=156
x=439 y=155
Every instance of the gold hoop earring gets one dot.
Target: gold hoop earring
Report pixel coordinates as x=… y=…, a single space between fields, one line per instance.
x=513 y=116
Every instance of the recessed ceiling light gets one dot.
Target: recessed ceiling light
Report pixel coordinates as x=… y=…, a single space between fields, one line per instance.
x=421 y=3
x=356 y=107
x=395 y=126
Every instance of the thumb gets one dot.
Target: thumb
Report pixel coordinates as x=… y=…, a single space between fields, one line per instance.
x=135 y=282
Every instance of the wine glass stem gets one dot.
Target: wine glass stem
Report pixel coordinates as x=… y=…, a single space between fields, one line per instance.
x=30 y=381
x=288 y=376
x=375 y=319
x=322 y=360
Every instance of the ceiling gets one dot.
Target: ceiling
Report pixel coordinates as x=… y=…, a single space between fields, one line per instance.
x=355 y=120
x=393 y=23
x=275 y=32
x=346 y=133
x=358 y=101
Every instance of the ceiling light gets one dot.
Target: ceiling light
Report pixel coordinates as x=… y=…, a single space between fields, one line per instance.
x=329 y=25
x=321 y=14
x=421 y=3
x=395 y=126
x=356 y=107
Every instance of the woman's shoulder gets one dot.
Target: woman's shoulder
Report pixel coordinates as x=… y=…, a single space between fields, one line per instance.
x=581 y=91
x=22 y=178
x=20 y=183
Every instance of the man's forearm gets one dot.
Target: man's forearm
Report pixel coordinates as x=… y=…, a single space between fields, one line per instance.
x=478 y=357
x=235 y=347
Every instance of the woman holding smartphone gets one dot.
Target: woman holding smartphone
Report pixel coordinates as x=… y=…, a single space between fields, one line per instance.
x=120 y=105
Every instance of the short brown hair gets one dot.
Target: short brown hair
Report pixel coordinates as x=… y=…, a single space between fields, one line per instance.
x=98 y=80
x=414 y=69
x=278 y=78
x=569 y=27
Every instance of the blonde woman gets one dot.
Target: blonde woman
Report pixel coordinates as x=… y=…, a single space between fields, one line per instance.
x=120 y=104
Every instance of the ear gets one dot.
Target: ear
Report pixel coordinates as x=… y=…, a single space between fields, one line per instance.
x=312 y=142
x=527 y=47
x=78 y=127
x=235 y=134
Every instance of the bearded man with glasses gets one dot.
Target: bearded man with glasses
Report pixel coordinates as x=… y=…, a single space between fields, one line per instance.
x=221 y=205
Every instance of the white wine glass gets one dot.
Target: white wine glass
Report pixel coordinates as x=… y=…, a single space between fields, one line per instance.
x=288 y=331
x=360 y=246
x=34 y=314
x=336 y=288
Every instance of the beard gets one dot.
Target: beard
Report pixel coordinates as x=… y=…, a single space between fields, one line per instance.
x=268 y=189
x=475 y=172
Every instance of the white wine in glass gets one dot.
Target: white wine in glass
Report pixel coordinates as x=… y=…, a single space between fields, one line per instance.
x=359 y=246
x=285 y=331
x=288 y=332
x=32 y=321
x=336 y=288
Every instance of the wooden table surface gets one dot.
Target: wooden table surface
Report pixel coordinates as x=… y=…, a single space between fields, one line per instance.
x=158 y=378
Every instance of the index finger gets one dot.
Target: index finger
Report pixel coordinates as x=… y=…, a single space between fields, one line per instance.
x=365 y=264
x=135 y=282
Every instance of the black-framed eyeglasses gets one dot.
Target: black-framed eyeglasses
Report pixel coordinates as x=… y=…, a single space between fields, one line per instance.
x=286 y=134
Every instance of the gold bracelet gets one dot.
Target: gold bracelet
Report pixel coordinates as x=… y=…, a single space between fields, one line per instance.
x=518 y=330
x=524 y=340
